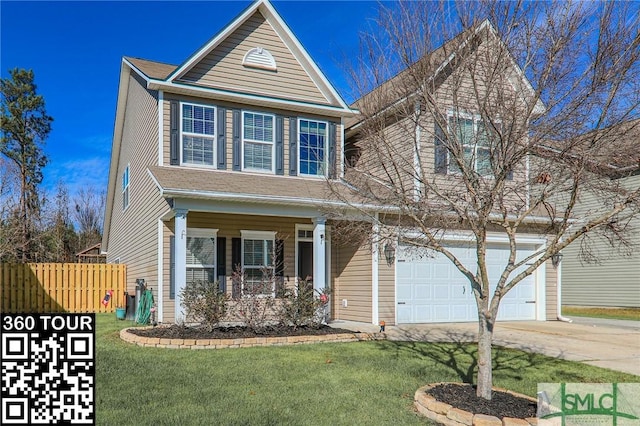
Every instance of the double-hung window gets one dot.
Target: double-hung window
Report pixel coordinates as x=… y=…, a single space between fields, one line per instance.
x=313 y=136
x=258 y=250
x=258 y=136
x=471 y=135
x=125 y=188
x=201 y=255
x=198 y=134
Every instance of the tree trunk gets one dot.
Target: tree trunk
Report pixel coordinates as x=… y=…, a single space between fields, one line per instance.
x=485 y=370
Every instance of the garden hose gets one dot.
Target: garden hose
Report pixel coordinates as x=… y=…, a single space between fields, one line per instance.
x=144 y=308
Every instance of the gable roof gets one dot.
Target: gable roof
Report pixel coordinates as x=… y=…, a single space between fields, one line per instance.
x=401 y=88
x=151 y=69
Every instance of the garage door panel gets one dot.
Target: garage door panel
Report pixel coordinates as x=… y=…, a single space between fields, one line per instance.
x=434 y=290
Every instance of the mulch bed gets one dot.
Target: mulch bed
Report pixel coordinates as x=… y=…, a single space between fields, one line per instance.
x=501 y=405
x=183 y=332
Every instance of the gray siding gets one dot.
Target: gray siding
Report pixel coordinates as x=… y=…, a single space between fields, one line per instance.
x=615 y=281
x=133 y=236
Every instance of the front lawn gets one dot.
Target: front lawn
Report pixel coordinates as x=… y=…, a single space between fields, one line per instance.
x=632 y=314
x=368 y=383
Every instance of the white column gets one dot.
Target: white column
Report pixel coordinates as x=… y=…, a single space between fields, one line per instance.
x=319 y=257
x=180 y=270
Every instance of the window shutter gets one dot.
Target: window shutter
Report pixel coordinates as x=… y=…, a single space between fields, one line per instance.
x=332 y=150
x=236 y=264
x=174 y=134
x=237 y=122
x=279 y=145
x=293 y=146
x=510 y=175
x=440 y=165
x=172 y=267
x=222 y=142
x=221 y=263
x=279 y=268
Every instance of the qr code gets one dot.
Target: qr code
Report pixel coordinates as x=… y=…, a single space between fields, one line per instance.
x=48 y=369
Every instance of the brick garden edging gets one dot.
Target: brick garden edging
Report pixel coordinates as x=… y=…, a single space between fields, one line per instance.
x=247 y=342
x=445 y=414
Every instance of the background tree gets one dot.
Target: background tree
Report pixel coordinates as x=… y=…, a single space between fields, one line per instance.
x=59 y=239
x=25 y=126
x=451 y=136
x=88 y=213
x=9 y=184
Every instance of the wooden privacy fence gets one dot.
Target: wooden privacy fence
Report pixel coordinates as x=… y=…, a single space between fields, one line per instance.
x=61 y=287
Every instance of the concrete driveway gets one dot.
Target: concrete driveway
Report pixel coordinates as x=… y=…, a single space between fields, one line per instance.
x=612 y=344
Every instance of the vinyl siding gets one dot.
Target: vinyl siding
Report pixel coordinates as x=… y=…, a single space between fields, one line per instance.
x=615 y=282
x=222 y=68
x=551 y=291
x=229 y=126
x=353 y=282
x=229 y=226
x=133 y=236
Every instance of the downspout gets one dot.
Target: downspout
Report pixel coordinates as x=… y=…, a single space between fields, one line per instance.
x=559 y=295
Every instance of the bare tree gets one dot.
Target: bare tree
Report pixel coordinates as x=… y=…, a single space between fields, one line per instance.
x=88 y=213
x=9 y=188
x=482 y=117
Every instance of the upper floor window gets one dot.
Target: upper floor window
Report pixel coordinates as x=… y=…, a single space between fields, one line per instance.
x=258 y=135
x=471 y=134
x=125 y=188
x=198 y=134
x=313 y=147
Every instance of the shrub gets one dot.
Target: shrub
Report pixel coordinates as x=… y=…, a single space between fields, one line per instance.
x=300 y=307
x=254 y=301
x=204 y=303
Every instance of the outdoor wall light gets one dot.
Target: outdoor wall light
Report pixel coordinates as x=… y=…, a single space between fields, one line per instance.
x=555 y=259
x=389 y=253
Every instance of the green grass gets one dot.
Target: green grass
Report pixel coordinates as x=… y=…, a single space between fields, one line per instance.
x=363 y=383
x=606 y=313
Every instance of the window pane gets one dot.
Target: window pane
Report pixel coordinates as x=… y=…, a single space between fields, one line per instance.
x=198 y=119
x=197 y=150
x=254 y=253
x=258 y=281
x=257 y=156
x=484 y=162
x=200 y=251
x=200 y=274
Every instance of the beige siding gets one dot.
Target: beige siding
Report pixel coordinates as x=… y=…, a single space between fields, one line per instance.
x=551 y=291
x=386 y=291
x=353 y=283
x=615 y=281
x=222 y=68
x=133 y=235
x=229 y=226
x=229 y=127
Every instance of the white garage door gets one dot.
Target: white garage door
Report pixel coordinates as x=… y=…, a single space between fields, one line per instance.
x=431 y=289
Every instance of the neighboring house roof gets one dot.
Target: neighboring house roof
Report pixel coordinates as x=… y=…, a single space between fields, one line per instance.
x=88 y=249
x=184 y=182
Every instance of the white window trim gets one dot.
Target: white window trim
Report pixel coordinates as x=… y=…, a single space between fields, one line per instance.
x=325 y=161
x=214 y=136
x=476 y=118
x=257 y=235
x=273 y=144
x=204 y=233
x=126 y=188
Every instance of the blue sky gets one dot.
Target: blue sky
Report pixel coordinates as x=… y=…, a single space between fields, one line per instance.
x=75 y=50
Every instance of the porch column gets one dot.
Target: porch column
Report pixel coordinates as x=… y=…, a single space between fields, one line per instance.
x=319 y=256
x=180 y=252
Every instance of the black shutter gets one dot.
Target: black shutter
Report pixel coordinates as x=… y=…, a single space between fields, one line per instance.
x=221 y=263
x=222 y=142
x=236 y=264
x=332 y=150
x=279 y=268
x=293 y=146
x=279 y=145
x=236 y=148
x=440 y=149
x=174 y=134
x=172 y=267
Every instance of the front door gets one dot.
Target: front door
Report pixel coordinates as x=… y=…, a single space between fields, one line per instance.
x=305 y=261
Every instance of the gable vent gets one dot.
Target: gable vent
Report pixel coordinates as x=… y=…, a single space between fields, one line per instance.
x=259 y=57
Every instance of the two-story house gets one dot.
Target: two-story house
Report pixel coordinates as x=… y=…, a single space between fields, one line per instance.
x=234 y=157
